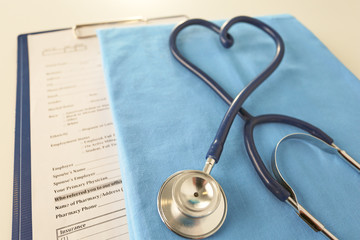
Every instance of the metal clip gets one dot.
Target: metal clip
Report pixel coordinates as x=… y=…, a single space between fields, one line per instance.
x=125 y=21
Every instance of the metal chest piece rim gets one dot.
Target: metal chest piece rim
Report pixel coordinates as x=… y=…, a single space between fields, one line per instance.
x=192 y=204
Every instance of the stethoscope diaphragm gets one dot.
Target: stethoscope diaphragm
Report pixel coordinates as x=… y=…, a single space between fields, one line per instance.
x=192 y=204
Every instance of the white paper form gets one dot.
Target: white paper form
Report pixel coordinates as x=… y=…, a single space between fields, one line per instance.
x=76 y=184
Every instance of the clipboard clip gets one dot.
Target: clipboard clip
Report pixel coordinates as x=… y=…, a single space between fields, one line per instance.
x=132 y=20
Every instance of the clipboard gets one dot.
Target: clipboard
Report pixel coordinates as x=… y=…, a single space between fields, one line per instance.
x=22 y=203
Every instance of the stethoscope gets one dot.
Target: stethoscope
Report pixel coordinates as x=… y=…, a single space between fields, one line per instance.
x=191 y=203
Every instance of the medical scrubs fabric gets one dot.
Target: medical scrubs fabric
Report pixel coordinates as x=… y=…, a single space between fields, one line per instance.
x=166 y=118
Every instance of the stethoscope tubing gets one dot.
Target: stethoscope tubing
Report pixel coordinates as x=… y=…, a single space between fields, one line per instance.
x=236 y=104
x=216 y=147
x=271 y=183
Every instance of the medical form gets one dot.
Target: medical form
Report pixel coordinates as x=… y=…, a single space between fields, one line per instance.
x=76 y=183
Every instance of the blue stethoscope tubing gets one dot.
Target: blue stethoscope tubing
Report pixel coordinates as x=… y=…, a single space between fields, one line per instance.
x=235 y=108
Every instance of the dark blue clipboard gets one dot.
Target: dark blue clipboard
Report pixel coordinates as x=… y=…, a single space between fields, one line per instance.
x=22 y=213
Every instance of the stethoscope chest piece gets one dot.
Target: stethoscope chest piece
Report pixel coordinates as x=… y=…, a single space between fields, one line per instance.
x=192 y=204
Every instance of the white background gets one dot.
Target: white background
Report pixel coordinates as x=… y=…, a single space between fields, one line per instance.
x=336 y=23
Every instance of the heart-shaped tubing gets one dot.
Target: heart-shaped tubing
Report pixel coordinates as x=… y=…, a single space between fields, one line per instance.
x=227 y=41
x=235 y=105
x=194 y=69
x=221 y=135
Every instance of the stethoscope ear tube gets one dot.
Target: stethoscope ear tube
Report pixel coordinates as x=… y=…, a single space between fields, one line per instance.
x=272 y=184
x=315 y=224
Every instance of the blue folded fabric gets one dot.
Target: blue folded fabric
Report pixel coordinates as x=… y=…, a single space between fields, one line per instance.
x=166 y=118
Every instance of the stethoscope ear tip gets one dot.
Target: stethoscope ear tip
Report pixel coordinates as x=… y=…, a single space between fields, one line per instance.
x=192 y=204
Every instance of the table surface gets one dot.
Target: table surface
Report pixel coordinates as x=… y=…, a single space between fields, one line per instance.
x=335 y=23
